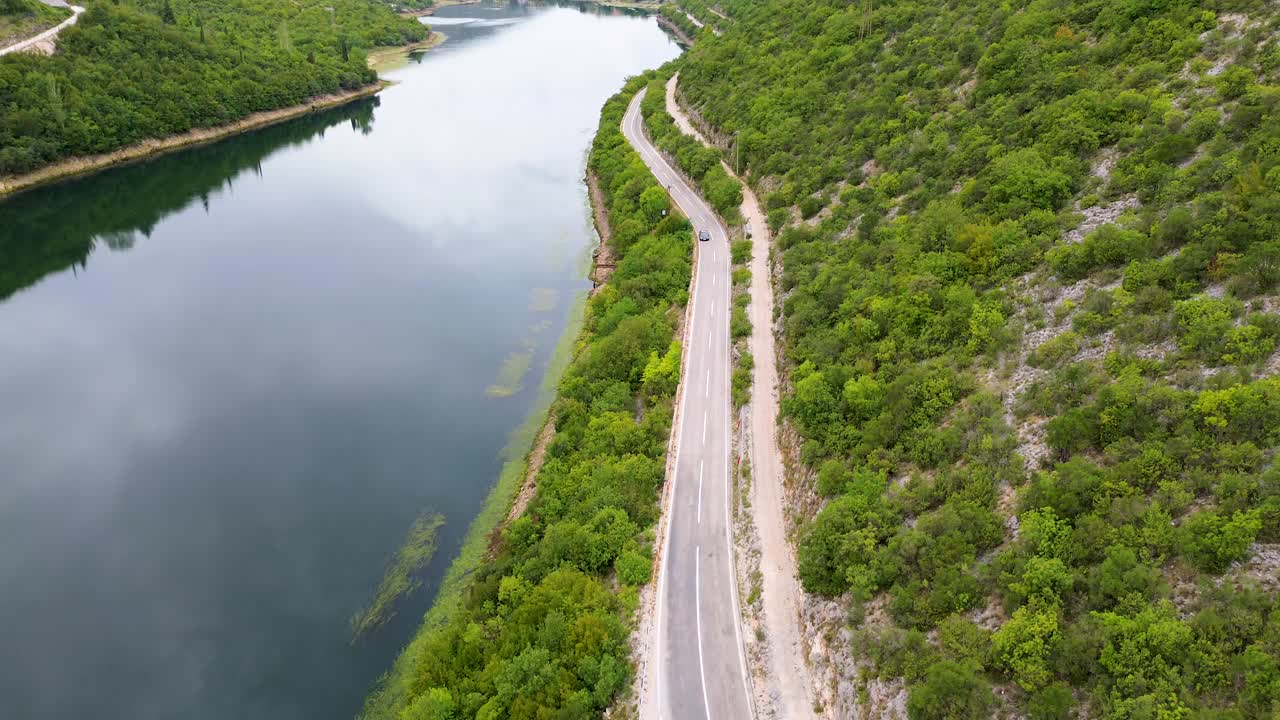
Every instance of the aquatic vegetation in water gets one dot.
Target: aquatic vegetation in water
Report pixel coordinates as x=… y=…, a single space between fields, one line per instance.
x=511 y=375
x=400 y=580
x=543 y=300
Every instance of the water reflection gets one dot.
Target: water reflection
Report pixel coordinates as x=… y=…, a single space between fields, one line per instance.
x=215 y=439
x=54 y=229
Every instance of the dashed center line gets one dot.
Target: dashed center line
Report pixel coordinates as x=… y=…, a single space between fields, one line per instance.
x=697 y=602
x=699 y=492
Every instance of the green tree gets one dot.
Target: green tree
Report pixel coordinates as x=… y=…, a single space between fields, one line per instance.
x=654 y=204
x=434 y=704
x=1022 y=646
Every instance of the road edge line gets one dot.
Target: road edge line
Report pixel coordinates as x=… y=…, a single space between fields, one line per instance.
x=654 y=669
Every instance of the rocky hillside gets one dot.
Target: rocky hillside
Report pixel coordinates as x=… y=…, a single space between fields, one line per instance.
x=1030 y=264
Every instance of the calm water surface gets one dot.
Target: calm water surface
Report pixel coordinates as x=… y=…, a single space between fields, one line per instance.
x=232 y=377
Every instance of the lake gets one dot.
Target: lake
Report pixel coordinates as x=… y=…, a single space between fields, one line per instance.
x=234 y=376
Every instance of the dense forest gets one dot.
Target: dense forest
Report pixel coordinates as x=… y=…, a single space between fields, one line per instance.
x=136 y=69
x=1030 y=261
x=543 y=629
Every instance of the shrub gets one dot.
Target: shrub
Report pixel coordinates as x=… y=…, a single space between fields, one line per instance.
x=1053 y=702
x=1021 y=181
x=1055 y=350
x=1204 y=324
x=633 y=568
x=739 y=324
x=950 y=691
x=1213 y=540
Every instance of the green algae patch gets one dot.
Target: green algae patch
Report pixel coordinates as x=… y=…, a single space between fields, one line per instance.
x=511 y=375
x=401 y=577
x=543 y=300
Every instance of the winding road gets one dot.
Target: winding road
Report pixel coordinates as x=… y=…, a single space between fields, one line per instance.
x=701 y=670
x=784 y=686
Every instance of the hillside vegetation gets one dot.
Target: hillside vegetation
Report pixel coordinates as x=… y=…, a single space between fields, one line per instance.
x=130 y=71
x=1030 y=255
x=543 y=628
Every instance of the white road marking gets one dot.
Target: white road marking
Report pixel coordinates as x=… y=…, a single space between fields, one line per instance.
x=706 y=387
x=697 y=602
x=704 y=427
x=699 y=492
x=684 y=193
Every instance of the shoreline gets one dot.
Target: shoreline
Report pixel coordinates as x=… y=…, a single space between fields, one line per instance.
x=392 y=57
x=89 y=164
x=602 y=261
x=519 y=454
x=428 y=11
x=666 y=24
x=653 y=7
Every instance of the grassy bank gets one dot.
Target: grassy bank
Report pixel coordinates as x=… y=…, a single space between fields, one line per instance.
x=540 y=627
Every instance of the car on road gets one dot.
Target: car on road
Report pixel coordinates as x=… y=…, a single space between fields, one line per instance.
x=704 y=235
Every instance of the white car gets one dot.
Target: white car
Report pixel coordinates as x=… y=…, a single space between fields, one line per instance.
x=704 y=235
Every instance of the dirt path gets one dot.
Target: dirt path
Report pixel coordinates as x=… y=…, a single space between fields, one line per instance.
x=699 y=24
x=46 y=42
x=781 y=595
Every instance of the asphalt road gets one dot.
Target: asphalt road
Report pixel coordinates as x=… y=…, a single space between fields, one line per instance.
x=701 y=667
